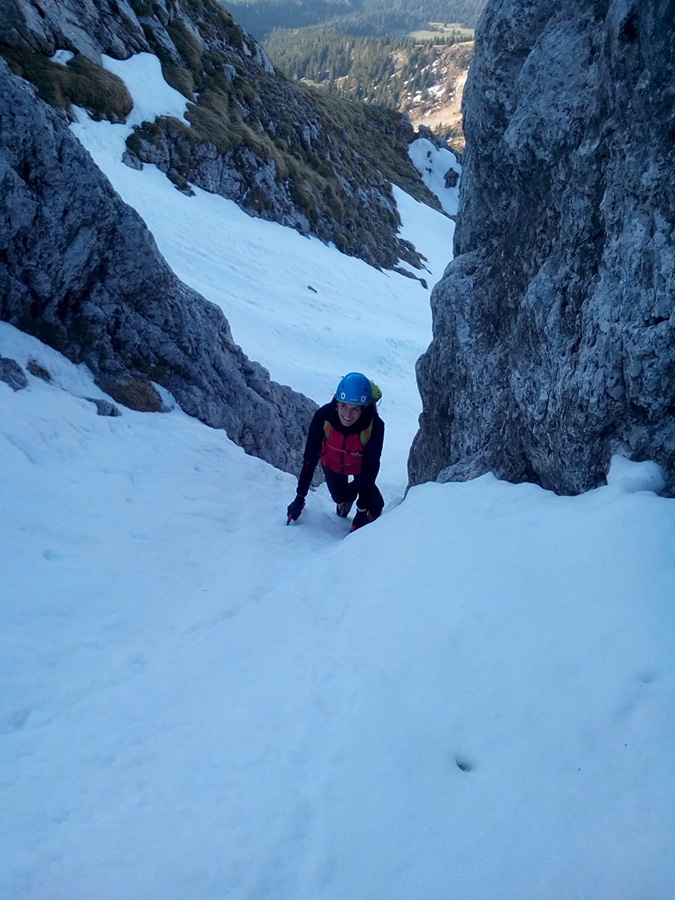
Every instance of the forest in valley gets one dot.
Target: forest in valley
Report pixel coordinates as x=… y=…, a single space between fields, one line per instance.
x=365 y=18
x=383 y=70
x=408 y=57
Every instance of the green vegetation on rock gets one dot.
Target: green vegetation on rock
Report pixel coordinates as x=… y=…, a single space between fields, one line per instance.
x=78 y=83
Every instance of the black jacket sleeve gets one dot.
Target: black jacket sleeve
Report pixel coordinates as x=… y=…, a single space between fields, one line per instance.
x=371 y=464
x=312 y=451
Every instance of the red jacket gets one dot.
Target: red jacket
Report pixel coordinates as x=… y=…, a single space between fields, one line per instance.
x=343 y=449
x=342 y=452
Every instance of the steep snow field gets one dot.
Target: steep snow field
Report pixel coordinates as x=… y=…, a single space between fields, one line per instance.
x=470 y=698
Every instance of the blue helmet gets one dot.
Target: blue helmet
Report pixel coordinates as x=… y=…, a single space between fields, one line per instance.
x=354 y=388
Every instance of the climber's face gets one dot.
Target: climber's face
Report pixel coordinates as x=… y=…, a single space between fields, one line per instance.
x=349 y=413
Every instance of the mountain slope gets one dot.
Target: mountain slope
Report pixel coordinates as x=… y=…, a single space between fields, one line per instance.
x=422 y=75
x=79 y=269
x=225 y=255
x=283 y=151
x=202 y=702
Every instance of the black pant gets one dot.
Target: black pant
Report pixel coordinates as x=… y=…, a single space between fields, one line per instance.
x=342 y=490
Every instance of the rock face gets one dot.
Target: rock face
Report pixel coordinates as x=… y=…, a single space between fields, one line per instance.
x=80 y=270
x=83 y=26
x=12 y=374
x=554 y=326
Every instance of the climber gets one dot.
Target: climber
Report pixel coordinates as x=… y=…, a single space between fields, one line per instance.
x=346 y=437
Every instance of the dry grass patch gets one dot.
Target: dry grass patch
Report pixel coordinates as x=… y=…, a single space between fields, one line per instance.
x=80 y=83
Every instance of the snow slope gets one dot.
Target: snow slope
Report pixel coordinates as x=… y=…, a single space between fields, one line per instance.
x=470 y=698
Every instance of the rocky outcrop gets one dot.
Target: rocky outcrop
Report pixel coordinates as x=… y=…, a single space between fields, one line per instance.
x=12 y=374
x=89 y=27
x=282 y=151
x=554 y=326
x=80 y=271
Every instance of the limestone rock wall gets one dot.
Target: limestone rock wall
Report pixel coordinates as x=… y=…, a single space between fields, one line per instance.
x=554 y=326
x=82 y=26
x=80 y=270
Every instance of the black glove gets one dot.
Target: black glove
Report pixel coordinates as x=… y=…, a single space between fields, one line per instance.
x=295 y=508
x=362 y=517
